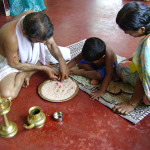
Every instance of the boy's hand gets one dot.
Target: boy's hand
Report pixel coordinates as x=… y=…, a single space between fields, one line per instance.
x=96 y=94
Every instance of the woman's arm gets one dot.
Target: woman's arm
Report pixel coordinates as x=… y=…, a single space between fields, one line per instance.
x=138 y=93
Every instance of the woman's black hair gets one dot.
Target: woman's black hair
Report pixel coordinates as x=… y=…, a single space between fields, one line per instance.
x=93 y=49
x=38 y=25
x=133 y=16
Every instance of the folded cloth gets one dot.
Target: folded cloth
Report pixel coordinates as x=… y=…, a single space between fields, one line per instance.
x=64 y=51
x=27 y=53
x=5 y=69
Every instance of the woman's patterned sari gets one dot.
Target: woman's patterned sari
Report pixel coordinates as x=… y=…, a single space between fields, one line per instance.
x=128 y=71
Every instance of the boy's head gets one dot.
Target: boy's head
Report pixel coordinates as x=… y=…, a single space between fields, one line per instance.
x=93 y=49
x=38 y=26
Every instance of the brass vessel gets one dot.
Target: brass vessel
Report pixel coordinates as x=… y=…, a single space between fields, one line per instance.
x=58 y=116
x=7 y=129
x=36 y=118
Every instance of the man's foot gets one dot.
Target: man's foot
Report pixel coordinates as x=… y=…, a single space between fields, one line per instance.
x=27 y=79
x=26 y=82
x=95 y=82
x=124 y=108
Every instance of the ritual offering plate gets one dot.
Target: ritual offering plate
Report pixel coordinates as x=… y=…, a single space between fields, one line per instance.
x=56 y=91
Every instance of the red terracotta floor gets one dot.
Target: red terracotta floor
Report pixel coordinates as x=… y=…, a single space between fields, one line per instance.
x=87 y=124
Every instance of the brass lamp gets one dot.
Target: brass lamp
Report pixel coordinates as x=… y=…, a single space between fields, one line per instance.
x=7 y=129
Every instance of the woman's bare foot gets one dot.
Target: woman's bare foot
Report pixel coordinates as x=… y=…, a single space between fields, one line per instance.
x=95 y=82
x=124 y=108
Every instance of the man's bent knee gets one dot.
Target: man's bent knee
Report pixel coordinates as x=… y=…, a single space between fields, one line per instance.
x=8 y=94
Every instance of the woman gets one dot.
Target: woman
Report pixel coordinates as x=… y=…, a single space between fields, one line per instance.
x=134 y=19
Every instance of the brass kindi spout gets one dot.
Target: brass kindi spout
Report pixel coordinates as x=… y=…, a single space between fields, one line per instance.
x=29 y=126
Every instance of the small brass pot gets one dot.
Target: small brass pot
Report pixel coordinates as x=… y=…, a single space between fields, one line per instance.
x=36 y=118
x=58 y=116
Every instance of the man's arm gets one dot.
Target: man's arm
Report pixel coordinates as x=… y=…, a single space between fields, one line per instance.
x=54 y=50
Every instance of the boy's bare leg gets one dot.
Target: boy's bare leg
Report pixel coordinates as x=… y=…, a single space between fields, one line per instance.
x=89 y=68
x=89 y=74
x=86 y=67
x=11 y=84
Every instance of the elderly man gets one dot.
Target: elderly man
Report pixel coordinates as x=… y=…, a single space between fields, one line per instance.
x=22 y=53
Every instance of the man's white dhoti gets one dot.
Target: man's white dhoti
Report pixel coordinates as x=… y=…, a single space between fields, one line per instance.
x=5 y=69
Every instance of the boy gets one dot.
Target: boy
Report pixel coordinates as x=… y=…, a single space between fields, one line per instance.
x=96 y=62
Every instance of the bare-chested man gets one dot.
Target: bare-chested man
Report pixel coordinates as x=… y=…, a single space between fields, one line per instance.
x=21 y=52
